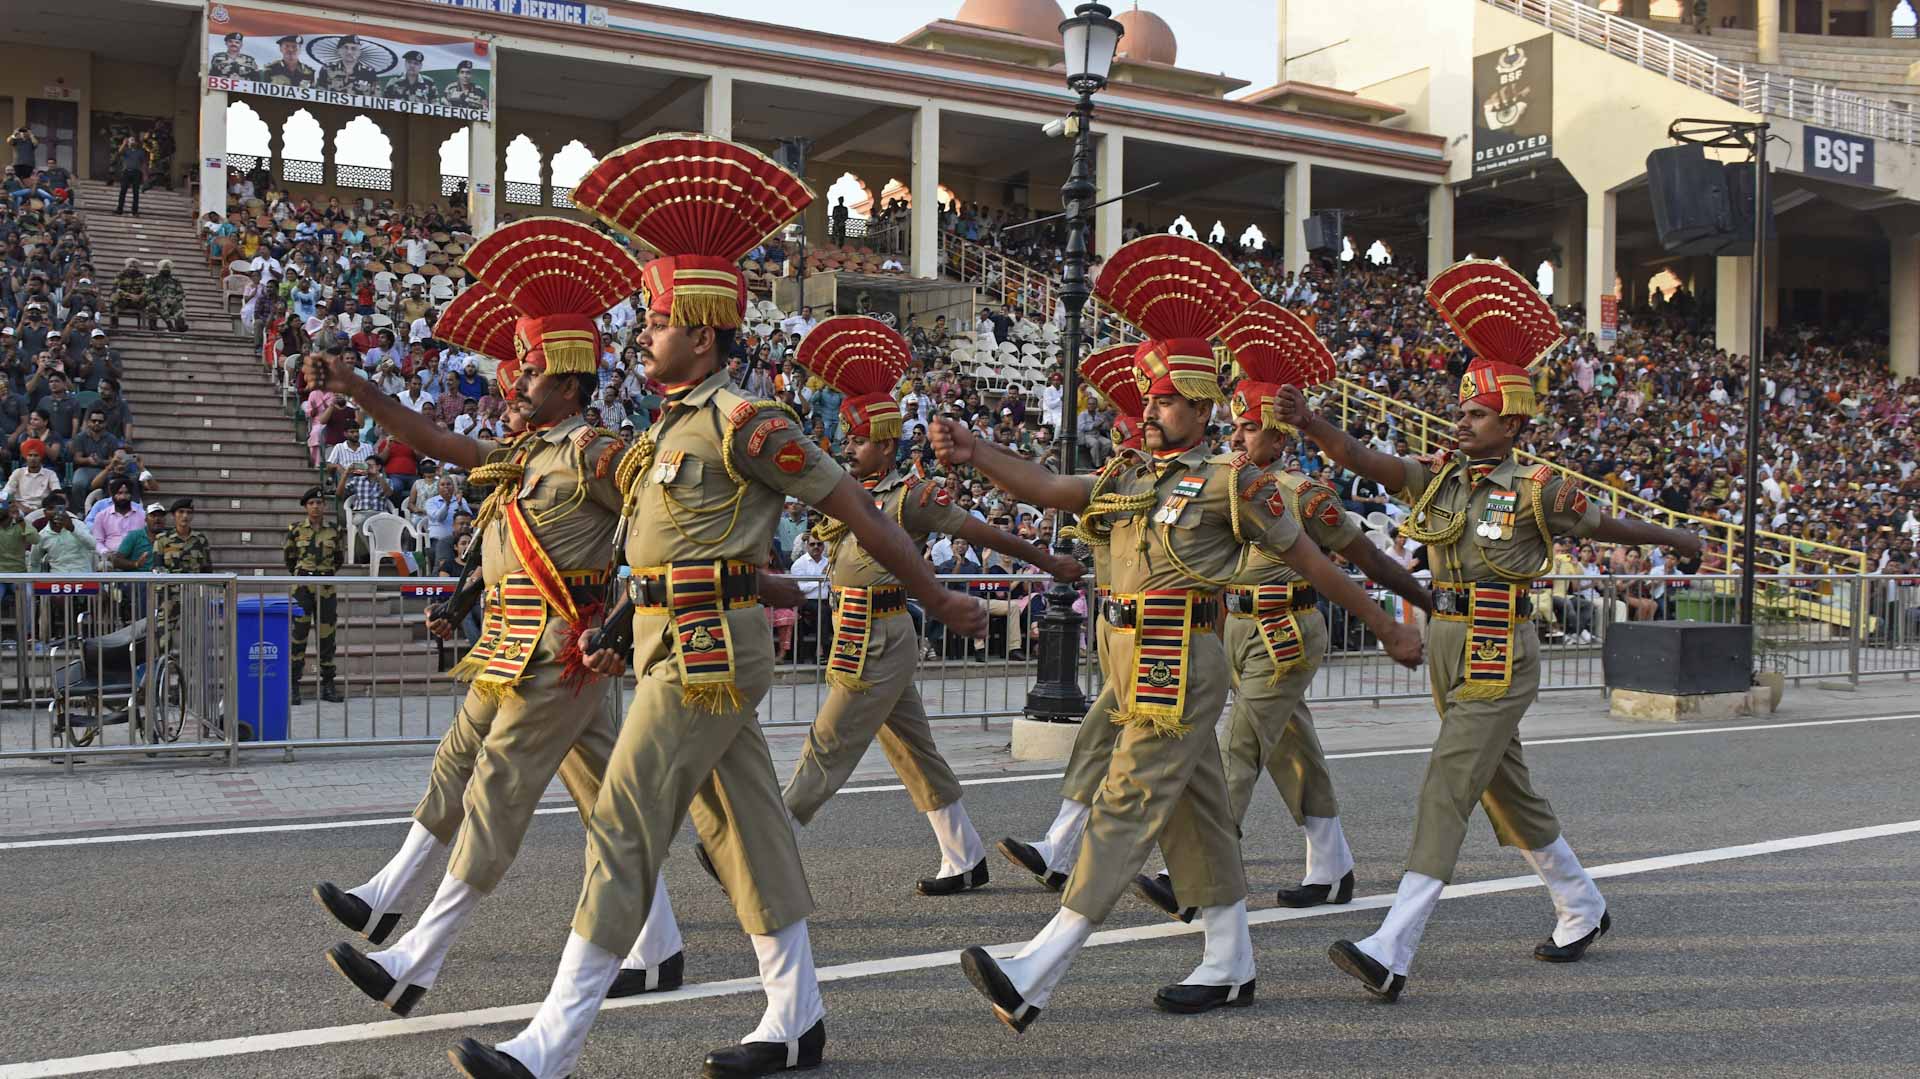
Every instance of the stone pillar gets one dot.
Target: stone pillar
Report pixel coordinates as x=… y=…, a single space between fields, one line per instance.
x=1298 y=199
x=1602 y=235
x=483 y=177
x=716 y=116
x=212 y=158
x=1767 y=27
x=925 y=238
x=1280 y=75
x=1109 y=221
x=1570 y=274
x=1904 y=301
x=1440 y=239
x=1733 y=304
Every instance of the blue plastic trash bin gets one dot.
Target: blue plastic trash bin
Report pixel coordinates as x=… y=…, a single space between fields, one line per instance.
x=262 y=632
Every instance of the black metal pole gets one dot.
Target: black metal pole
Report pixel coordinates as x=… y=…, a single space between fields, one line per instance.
x=1056 y=696
x=1757 y=326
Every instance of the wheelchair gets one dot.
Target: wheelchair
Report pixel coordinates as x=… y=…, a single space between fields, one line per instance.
x=103 y=681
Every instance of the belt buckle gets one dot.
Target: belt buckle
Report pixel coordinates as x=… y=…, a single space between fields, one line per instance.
x=1236 y=603
x=1115 y=613
x=1445 y=601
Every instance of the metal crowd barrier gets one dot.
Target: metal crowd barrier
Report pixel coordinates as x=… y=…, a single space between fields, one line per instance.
x=146 y=665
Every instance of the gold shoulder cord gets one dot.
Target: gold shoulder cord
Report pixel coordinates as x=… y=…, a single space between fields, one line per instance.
x=1411 y=527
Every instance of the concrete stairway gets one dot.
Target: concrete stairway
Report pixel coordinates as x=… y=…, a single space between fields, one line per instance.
x=211 y=426
x=1870 y=67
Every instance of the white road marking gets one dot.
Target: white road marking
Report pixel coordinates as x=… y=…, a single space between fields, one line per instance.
x=567 y=807
x=520 y=1013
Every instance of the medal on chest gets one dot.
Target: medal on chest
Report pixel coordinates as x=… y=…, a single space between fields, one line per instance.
x=1496 y=520
x=667 y=466
x=1185 y=491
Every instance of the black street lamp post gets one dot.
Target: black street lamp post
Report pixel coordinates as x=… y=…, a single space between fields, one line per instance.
x=1090 y=38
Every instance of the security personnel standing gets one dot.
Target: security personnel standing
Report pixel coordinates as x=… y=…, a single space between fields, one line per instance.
x=288 y=70
x=231 y=63
x=1186 y=517
x=312 y=549
x=1110 y=371
x=546 y=536
x=178 y=550
x=706 y=485
x=411 y=85
x=1489 y=526
x=875 y=654
x=1276 y=636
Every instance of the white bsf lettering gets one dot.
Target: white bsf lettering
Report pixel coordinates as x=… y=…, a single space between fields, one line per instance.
x=1838 y=155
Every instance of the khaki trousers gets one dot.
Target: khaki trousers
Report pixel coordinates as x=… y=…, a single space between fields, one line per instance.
x=496 y=760
x=1477 y=757
x=673 y=760
x=1166 y=790
x=1093 y=745
x=891 y=708
x=1270 y=727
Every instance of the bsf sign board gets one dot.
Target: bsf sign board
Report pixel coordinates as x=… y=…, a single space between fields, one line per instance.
x=328 y=62
x=1836 y=155
x=1609 y=318
x=1513 y=120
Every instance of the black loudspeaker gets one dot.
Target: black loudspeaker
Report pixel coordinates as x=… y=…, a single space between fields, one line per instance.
x=1691 y=204
x=1679 y=658
x=1323 y=231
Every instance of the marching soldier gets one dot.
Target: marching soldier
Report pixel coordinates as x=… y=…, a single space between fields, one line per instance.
x=345 y=75
x=1110 y=371
x=875 y=650
x=706 y=486
x=288 y=70
x=464 y=93
x=1489 y=525
x=313 y=549
x=1276 y=636
x=546 y=536
x=232 y=63
x=411 y=85
x=1185 y=517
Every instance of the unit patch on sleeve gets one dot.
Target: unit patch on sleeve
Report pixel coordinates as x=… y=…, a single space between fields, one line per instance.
x=790 y=458
x=1321 y=503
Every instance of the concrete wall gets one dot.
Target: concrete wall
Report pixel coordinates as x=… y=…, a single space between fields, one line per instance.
x=135 y=89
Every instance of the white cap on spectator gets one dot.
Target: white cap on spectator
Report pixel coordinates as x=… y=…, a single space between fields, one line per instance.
x=97 y=332
x=315 y=324
x=6 y=330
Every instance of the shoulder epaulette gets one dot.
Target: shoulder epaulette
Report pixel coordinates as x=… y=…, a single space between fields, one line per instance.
x=1541 y=474
x=740 y=408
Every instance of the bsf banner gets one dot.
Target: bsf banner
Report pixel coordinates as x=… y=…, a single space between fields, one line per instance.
x=1514 y=123
x=303 y=58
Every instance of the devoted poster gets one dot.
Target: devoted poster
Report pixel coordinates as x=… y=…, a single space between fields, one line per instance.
x=328 y=62
x=1513 y=124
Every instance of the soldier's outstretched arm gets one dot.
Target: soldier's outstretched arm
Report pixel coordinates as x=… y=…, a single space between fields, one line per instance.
x=1019 y=477
x=981 y=534
x=343 y=376
x=1379 y=566
x=1402 y=641
x=893 y=548
x=1346 y=451
x=1624 y=530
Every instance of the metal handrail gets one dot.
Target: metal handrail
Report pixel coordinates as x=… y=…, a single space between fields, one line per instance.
x=1756 y=91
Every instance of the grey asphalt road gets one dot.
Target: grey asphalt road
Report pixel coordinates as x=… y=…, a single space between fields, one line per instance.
x=1793 y=962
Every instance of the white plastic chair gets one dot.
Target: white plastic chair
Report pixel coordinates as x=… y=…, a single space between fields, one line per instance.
x=384 y=532
x=383 y=283
x=440 y=287
x=1379 y=521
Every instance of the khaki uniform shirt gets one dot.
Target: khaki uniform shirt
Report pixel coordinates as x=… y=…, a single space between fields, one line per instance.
x=574 y=514
x=686 y=505
x=1546 y=505
x=1317 y=508
x=312 y=549
x=1189 y=540
x=919 y=508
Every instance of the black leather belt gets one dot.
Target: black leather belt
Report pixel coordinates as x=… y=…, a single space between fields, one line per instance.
x=739 y=584
x=881 y=599
x=1268 y=598
x=1124 y=613
x=1457 y=602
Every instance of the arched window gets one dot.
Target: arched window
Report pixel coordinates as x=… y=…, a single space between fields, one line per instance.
x=1253 y=239
x=571 y=163
x=1543 y=277
x=947 y=197
x=249 y=139
x=303 y=150
x=1380 y=254
x=1665 y=284
x=1346 y=249
x=1904 y=22
x=454 y=166
x=1182 y=227
x=363 y=156
x=525 y=173
x=855 y=190
x=1217 y=234
x=895 y=191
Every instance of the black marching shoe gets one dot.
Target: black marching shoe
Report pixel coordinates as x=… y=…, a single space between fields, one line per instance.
x=372 y=979
x=478 y=1060
x=293 y=695
x=660 y=979
x=765 y=1058
x=992 y=982
x=1158 y=890
x=954 y=885
x=1313 y=895
x=330 y=692
x=352 y=911
x=1194 y=999
x=1026 y=857
x=1379 y=981
x=1549 y=952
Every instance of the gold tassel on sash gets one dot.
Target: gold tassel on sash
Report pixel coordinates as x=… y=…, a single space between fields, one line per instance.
x=852 y=628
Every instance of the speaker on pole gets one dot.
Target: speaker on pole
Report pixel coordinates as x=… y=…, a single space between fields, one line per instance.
x=1323 y=231
x=1691 y=203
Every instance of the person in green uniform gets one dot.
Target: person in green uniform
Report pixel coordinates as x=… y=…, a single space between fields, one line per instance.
x=463 y=92
x=166 y=300
x=344 y=75
x=178 y=550
x=1185 y=517
x=288 y=70
x=129 y=293
x=411 y=85
x=546 y=537
x=705 y=487
x=1276 y=636
x=1489 y=525
x=230 y=62
x=875 y=653
x=313 y=549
